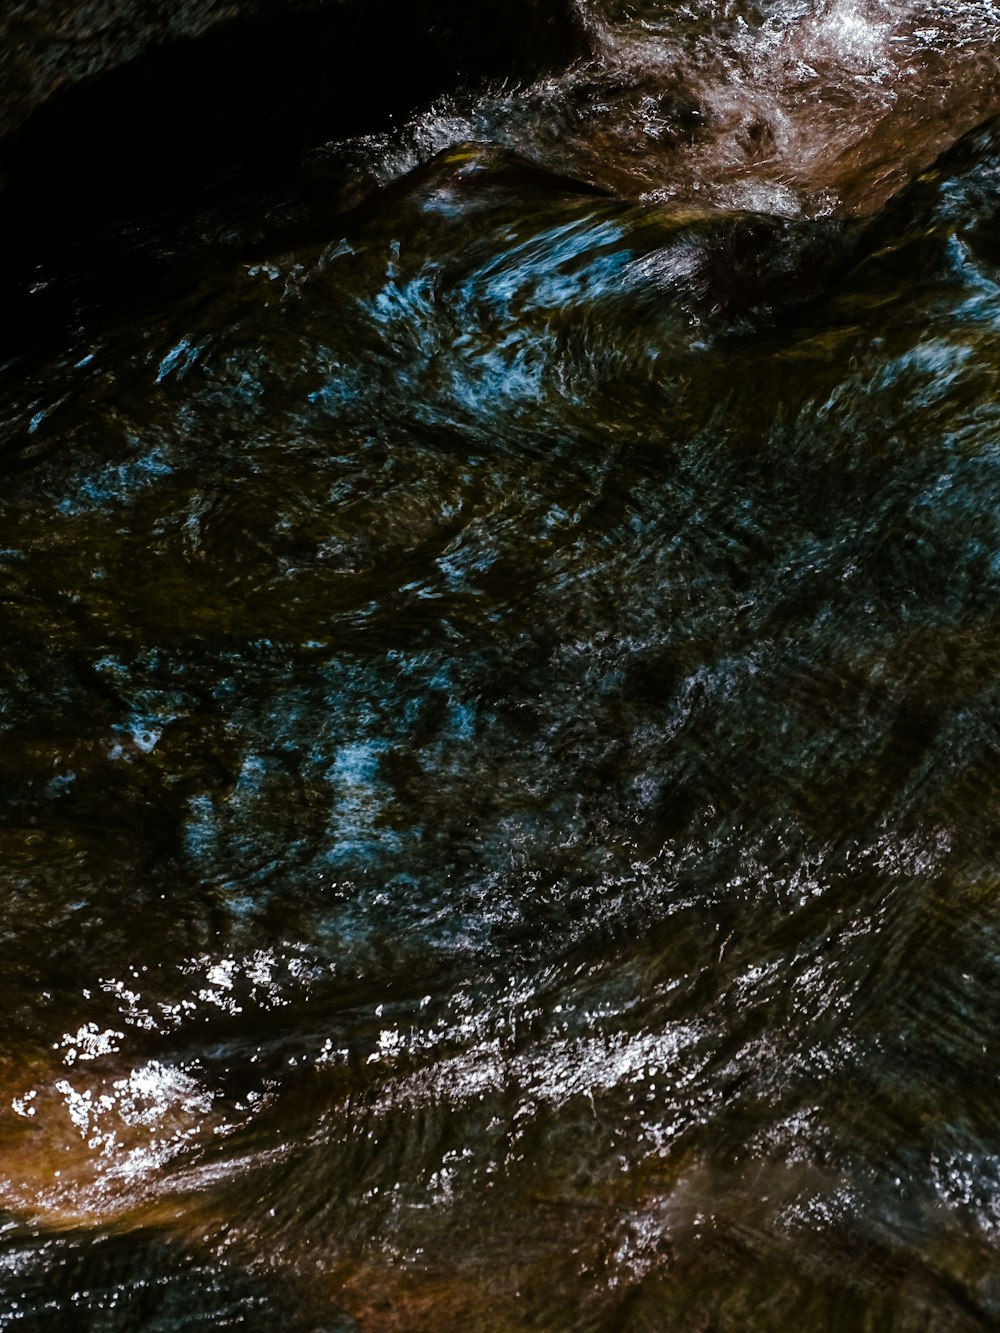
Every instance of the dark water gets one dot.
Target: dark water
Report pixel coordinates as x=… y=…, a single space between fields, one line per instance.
x=500 y=799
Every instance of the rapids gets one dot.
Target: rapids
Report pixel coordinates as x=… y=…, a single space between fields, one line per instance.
x=500 y=803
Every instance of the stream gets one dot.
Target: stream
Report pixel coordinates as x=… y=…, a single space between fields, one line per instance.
x=499 y=712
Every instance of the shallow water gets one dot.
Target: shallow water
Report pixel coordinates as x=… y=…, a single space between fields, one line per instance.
x=500 y=800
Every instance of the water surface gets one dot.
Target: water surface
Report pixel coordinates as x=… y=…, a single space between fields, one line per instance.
x=500 y=801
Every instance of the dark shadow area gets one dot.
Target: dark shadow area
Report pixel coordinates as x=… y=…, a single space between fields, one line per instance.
x=142 y=1281
x=186 y=128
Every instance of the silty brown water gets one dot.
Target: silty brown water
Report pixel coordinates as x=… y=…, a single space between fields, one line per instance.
x=500 y=812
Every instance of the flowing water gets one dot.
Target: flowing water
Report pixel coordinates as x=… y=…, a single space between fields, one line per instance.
x=500 y=809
